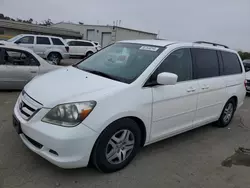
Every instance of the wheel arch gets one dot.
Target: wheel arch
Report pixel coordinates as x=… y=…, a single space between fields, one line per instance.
x=53 y=51
x=235 y=98
x=140 y=124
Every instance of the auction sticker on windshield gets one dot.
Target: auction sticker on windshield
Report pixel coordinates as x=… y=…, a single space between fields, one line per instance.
x=149 y=48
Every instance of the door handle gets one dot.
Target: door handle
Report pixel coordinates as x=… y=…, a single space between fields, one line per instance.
x=191 y=89
x=33 y=71
x=205 y=87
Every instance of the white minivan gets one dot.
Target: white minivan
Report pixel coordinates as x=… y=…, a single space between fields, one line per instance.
x=126 y=96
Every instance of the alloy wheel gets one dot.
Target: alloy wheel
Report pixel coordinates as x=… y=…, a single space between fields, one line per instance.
x=120 y=146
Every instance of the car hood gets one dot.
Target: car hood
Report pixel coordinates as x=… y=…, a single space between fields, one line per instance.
x=68 y=84
x=248 y=75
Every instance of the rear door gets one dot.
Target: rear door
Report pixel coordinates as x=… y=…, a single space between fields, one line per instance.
x=85 y=47
x=18 y=67
x=212 y=88
x=41 y=45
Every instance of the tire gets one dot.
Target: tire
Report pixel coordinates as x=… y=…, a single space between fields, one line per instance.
x=55 y=57
x=110 y=155
x=228 y=110
x=89 y=54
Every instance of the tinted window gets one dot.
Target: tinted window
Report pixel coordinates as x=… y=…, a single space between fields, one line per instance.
x=42 y=40
x=81 y=43
x=206 y=63
x=71 y=43
x=231 y=63
x=26 y=40
x=57 y=41
x=178 y=62
x=19 y=58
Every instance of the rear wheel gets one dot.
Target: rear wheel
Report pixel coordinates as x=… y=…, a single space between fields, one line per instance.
x=55 y=58
x=117 y=146
x=227 y=113
x=89 y=54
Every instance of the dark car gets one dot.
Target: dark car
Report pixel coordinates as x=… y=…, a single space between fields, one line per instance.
x=246 y=64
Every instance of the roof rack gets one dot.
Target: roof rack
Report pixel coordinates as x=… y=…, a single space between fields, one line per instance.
x=214 y=44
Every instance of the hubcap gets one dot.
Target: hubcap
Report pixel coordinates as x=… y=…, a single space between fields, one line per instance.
x=54 y=58
x=120 y=146
x=228 y=112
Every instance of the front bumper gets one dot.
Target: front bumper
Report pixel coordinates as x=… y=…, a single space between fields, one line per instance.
x=65 y=147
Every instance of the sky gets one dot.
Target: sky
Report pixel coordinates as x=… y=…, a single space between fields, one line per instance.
x=222 y=21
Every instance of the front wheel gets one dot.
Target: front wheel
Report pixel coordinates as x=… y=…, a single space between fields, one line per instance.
x=117 y=146
x=227 y=113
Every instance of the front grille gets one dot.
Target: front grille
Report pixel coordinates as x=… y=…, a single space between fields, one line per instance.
x=28 y=107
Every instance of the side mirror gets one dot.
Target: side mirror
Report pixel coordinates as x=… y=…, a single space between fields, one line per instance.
x=166 y=78
x=17 y=42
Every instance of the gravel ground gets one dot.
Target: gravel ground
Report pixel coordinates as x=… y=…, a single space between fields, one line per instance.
x=192 y=159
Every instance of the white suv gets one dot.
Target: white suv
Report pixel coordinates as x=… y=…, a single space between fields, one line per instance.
x=126 y=96
x=48 y=47
x=82 y=47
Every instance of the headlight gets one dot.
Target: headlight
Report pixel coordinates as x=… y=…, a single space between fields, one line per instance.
x=69 y=115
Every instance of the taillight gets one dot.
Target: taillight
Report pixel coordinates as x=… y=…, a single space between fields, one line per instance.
x=67 y=48
x=245 y=83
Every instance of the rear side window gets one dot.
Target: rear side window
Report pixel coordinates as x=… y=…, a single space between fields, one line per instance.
x=42 y=40
x=231 y=63
x=206 y=63
x=71 y=43
x=57 y=41
x=81 y=43
x=19 y=58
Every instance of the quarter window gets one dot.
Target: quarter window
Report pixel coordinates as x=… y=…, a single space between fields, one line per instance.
x=42 y=40
x=178 y=62
x=26 y=40
x=206 y=62
x=57 y=41
x=231 y=63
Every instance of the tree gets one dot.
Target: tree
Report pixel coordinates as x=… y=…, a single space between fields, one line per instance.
x=1 y=16
x=47 y=22
x=244 y=55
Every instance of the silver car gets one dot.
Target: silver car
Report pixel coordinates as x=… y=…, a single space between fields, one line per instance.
x=19 y=65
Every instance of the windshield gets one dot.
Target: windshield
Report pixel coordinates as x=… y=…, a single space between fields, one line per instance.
x=14 y=38
x=124 y=62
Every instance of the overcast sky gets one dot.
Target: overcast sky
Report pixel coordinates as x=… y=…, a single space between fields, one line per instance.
x=224 y=21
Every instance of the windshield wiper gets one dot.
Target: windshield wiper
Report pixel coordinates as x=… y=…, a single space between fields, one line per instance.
x=99 y=73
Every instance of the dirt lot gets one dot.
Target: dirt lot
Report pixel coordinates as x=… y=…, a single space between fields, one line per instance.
x=192 y=159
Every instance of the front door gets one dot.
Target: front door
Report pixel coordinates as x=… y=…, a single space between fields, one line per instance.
x=174 y=106
x=26 y=41
x=17 y=69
